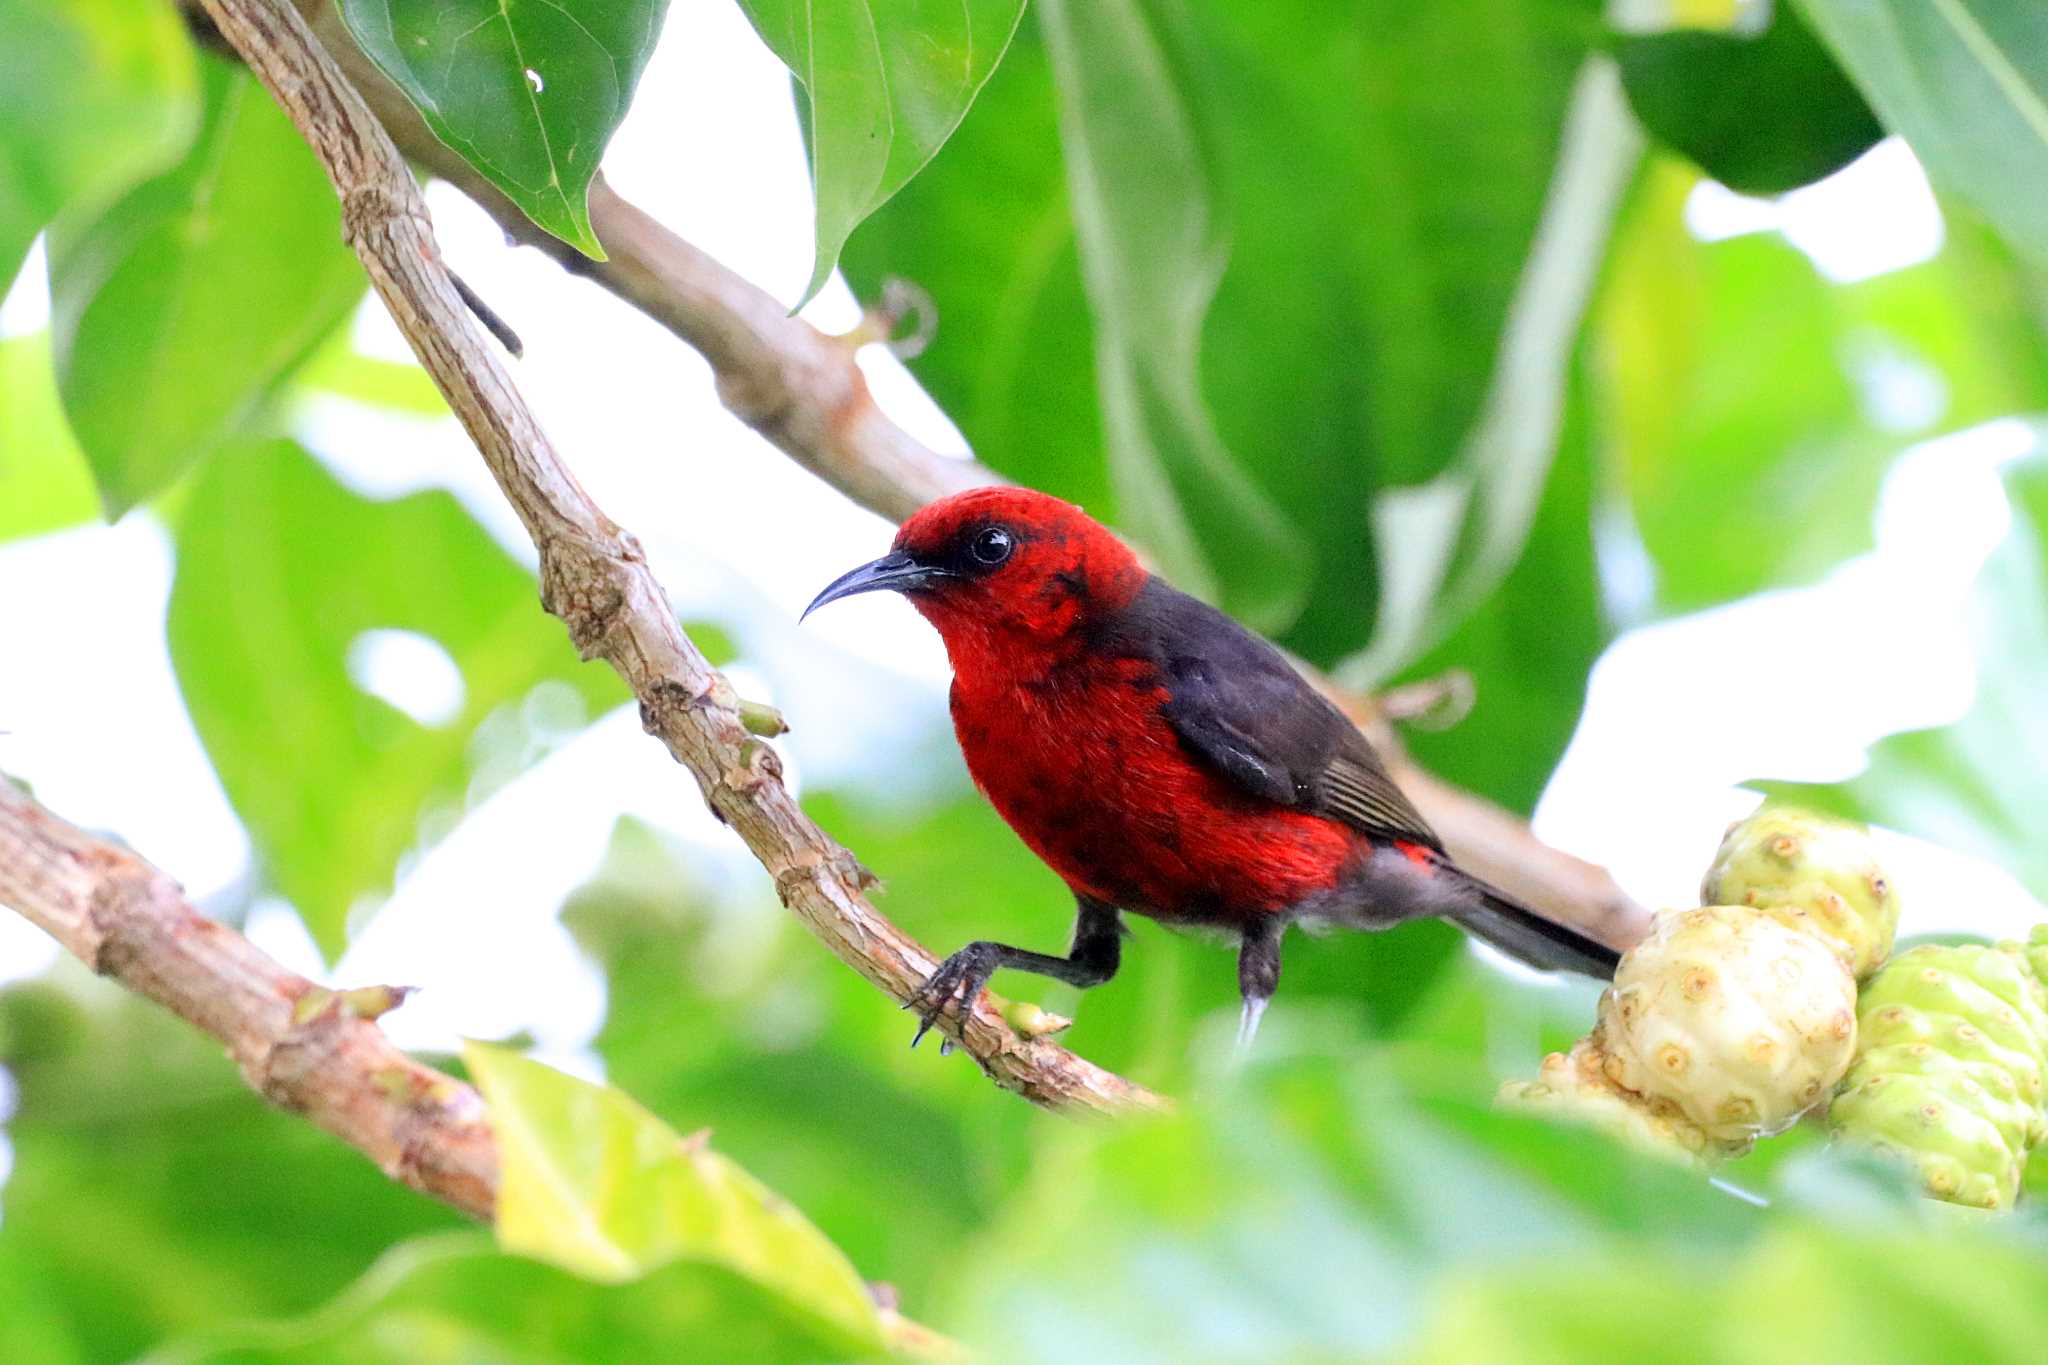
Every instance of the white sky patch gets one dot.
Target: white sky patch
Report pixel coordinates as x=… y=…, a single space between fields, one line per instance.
x=410 y=671
x=92 y=716
x=1875 y=215
x=1795 y=684
x=26 y=308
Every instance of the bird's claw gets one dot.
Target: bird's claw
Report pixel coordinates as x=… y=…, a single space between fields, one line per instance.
x=960 y=977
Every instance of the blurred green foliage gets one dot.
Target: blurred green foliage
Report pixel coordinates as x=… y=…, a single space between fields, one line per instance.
x=234 y=255
x=1377 y=326
x=334 y=782
x=152 y=1194
x=98 y=93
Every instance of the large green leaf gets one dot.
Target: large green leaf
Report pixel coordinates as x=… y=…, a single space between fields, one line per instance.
x=592 y=1182
x=1761 y=113
x=97 y=94
x=1447 y=544
x=1531 y=645
x=454 y=1300
x=1878 y=1297
x=528 y=91
x=1966 y=83
x=1304 y=1213
x=44 y=481
x=152 y=1192
x=1740 y=389
x=1152 y=253
x=884 y=86
x=1977 y=786
x=1368 y=184
x=786 y=1055
x=178 y=311
x=280 y=571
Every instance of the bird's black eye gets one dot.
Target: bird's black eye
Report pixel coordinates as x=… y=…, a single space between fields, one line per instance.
x=991 y=546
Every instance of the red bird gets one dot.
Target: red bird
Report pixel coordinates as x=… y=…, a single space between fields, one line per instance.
x=1163 y=759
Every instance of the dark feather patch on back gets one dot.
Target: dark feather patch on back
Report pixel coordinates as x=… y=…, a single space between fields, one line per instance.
x=1236 y=702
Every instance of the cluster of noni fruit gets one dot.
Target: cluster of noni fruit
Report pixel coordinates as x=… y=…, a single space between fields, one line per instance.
x=1729 y=1022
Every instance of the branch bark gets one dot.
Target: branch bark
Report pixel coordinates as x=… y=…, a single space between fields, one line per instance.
x=593 y=574
x=803 y=391
x=304 y=1048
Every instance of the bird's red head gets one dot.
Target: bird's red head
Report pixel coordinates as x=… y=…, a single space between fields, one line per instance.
x=1003 y=573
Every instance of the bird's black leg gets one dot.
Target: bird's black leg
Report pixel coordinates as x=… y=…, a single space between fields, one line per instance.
x=1258 y=976
x=1098 y=945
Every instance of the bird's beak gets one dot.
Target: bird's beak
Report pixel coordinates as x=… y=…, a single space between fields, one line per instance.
x=895 y=572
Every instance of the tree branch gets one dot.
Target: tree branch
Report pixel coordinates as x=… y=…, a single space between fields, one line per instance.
x=801 y=389
x=309 y=1050
x=593 y=574
x=304 y=1048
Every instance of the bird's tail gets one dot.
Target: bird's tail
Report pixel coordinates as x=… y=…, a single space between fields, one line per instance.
x=1493 y=917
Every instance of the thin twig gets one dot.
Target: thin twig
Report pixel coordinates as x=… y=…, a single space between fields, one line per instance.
x=802 y=390
x=594 y=575
x=306 y=1049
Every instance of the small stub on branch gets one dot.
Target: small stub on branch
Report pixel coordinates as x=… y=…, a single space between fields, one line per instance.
x=905 y=320
x=362 y=1002
x=488 y=316
x=762 y=719
x=1433 y=703
x=1031 y=1021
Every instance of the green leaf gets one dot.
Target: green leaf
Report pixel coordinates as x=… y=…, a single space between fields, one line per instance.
x=1306 y=1213
x=98 y=94
x=1530 y=646
x=884 y=86
x=1879 y=1297
x=1740 y=389
x=1152 y=253
x=1966 y=83
x=1761 y=113
x=152 y=1192
x=44 y=482
x=594 y=1183
x=281 y=571
x=529 y=92
x=1368 y=185
x=1976 y=786
x=453 y=1300
x=796 y=1063
x=181 y=309
x=1447 y=544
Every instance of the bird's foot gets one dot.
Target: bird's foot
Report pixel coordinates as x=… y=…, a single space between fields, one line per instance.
x=960 y=977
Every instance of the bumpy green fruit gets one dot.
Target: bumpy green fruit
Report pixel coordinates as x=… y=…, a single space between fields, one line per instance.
x=2037 y=958
x=1574 y=1086
x=1740 y=1022
x=1949 y=1072
x=1814 y=873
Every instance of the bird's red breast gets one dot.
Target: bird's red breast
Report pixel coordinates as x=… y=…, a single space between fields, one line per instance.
x=1083 y=765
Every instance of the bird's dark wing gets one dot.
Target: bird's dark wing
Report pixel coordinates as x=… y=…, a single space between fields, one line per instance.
x=1236 y=702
